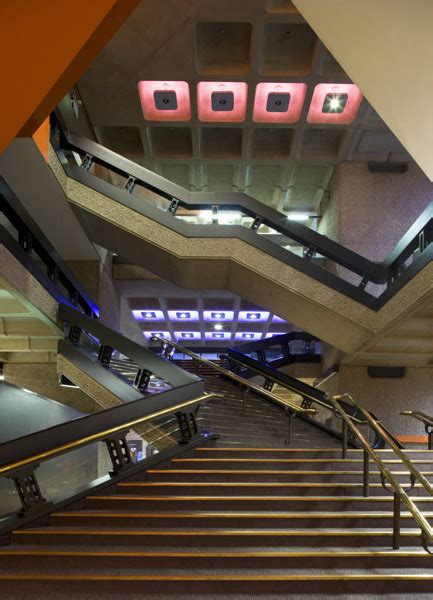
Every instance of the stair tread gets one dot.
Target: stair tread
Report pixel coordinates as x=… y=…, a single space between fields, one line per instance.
x=234 y=514
x=307 y=499
x=23 y=551
x=214 y=531
x=307 y=576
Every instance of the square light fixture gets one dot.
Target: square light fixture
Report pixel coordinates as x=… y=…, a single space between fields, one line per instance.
x=148 y=315
x=222 y=101
x=334 y=103
x=217 y=315
x=165 y=100
x=279 y=102
x=150 y=334
x=248 y=335
x=250 y=316
x=217 y=335
x=183 y=315
x=187 y=335
x=253 y=316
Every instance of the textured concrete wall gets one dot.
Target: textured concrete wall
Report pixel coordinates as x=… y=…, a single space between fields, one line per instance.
x=369 y=212
x=387 y=397
x=43 y=379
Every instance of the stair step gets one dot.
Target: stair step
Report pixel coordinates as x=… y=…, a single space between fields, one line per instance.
x=214 y=536
x=196 y=482
x=214 y=586
x=325 y=503
x=230 y=519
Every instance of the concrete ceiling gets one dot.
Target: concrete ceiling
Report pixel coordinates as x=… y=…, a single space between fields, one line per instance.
x=386 y=47
x=286 y=166
x=163 y=300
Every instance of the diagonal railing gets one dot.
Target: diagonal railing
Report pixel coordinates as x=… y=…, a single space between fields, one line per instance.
x=401 y=495
x=369 y=283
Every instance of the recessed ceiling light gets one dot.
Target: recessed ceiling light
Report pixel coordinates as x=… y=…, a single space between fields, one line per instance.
x=148 y=314
x=218 y=335
x=187 y=335
x=278 y=102
x=218 y=326
x=334 y=103
x=248 y=335
x=217 y=315
x=183 y=315
x=253 y=316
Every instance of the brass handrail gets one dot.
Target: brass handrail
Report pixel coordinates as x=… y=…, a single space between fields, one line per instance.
x=312 y=398
x=419 y=416
x=244 y=382
x=424 y=525
x=274 y=379
x=103 y=434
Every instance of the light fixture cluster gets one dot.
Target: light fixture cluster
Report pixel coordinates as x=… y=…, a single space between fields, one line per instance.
x=209 y=316
x=187 y=336
x=226 y=101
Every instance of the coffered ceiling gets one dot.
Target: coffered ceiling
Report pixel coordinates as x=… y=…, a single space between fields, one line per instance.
x=285 y=165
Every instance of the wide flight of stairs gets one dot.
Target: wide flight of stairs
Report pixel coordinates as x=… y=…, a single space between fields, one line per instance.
x=256 y=519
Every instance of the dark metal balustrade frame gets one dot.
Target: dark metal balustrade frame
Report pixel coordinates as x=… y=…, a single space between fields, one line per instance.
x=311 y=395
x=31 y=238
x=391 y=272
x=143 y=357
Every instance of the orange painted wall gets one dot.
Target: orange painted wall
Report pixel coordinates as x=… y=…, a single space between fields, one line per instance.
x=45 y=46
x=42 y=138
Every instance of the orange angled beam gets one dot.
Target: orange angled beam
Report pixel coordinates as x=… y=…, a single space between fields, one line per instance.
x=45 y=47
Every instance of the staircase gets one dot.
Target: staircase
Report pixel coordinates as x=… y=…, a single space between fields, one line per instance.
x=248 y=516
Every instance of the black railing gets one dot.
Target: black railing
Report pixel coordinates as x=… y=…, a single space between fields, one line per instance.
x=107 y=355
x=24 y=239
x=156 y=399
x=283 y=350
x=325 y=417
x=372 y=284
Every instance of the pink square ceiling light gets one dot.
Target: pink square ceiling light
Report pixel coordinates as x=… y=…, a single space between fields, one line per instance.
x=351 y=95
x=230 y=99
x=263 y=102
x=175 y=105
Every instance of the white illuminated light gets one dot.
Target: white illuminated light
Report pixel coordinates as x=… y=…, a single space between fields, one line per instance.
x=334 y=104
x=183 y=315
x=2 y=377
x=148 y=315
x=298 y=216
x=218 y=326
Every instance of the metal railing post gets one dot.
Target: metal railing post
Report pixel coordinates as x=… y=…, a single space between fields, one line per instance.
x=244 y=402
x=344 y=440
x=396 y=522
x=366 y=486
x=289 y=428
